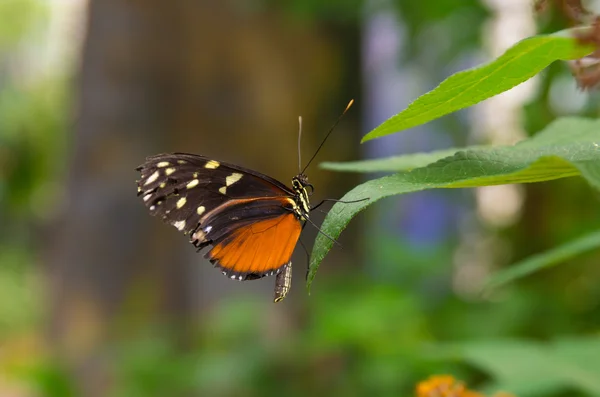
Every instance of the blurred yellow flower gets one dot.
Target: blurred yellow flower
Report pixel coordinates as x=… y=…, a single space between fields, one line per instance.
x=447 y=386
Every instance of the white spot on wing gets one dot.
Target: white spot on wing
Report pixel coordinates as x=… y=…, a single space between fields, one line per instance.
x=181 y=161
x=212 y=164
x=233 y=178
x=152 y=207
x=179 y=225
x=223 y=190
x=207 y=229
x=163 y=164
x=201 y=210
x=181 y=202
x=148 y=197
x=152 y=178
x=169 y=171
x=199 y=235
x=192 y=184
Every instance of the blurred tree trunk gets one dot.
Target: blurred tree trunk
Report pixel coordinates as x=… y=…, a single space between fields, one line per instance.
x=103 y=254
x=161 y=76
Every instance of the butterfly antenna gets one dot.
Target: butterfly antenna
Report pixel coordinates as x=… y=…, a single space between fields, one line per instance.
x=329 y=133
x=299 y=151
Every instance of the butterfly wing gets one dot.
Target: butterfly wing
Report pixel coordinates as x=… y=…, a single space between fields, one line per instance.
x=181 y=187
x=247 y=217
x=257 y=249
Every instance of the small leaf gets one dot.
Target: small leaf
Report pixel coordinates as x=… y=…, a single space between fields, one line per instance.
x=544 y=260
x=405 y=162
x=517 y=65
x=567 y=147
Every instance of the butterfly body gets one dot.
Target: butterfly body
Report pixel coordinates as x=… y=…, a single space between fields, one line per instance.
x=251 y=221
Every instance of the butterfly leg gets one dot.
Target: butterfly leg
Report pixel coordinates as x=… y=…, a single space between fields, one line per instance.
x=337 y=201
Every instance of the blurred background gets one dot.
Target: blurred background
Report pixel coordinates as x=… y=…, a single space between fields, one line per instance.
x=97 y=298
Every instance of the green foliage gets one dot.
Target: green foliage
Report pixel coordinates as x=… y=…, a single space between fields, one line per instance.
x=362 y=338
x=240 y=351
x=18 y=313
x=33 y=122
x=143 y=369
x=405 y=162
x=33 y=119
x=518 y=64
x=17 y=17
x=529 y=368
x=33 y=115
x=544 y=260
x=568 y=147
x=49 y=379
x=337 y=10
x=433 y=26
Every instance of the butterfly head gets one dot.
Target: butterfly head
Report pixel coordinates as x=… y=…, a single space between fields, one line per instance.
x=300 y=185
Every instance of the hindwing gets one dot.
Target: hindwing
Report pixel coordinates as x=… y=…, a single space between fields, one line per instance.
x=256 y=249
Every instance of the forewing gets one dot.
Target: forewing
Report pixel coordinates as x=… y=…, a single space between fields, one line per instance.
x=184 y=189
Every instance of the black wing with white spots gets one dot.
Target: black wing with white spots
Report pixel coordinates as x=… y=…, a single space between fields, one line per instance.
x=183 y=188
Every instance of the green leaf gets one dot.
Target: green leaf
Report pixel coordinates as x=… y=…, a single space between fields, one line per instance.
x=567 y=147
x=405 y=162
x=528 y=368
x=518 y=64
x=544 y=260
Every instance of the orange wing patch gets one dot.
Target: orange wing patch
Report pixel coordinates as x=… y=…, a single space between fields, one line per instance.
x=259 y=248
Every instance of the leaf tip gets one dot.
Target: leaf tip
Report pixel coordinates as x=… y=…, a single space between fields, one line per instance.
x=366 y=138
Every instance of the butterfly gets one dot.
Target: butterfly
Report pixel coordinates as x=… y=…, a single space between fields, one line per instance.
x=250 y=221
